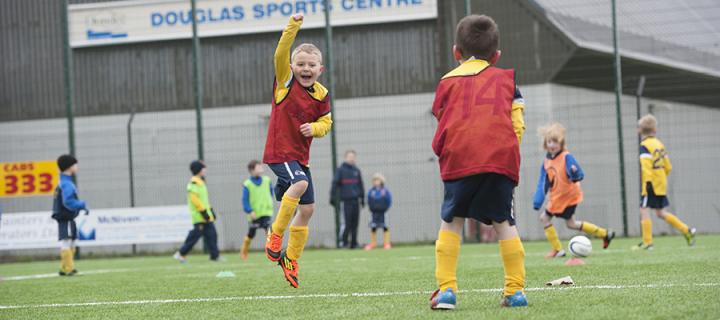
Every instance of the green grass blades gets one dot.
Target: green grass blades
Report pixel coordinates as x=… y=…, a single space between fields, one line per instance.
x=671 y=282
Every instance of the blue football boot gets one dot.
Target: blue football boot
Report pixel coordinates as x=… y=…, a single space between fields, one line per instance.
x=516 y=300
x=445 y=300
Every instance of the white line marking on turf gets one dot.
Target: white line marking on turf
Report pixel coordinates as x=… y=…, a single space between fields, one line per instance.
x=53 y=275
x=91 y=272
x=337 y=295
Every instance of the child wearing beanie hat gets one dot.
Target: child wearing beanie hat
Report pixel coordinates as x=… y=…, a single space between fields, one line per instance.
x=202 y=215
x=66 y=207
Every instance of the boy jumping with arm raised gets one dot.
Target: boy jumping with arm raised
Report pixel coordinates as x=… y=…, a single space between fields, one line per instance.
x=300 y=112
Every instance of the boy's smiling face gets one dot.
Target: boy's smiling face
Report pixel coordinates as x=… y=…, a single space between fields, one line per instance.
x=306 y=68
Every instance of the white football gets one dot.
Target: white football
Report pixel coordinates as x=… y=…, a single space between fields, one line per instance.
x=580 y=246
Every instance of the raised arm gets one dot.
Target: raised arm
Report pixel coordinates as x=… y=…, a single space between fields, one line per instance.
x=282 y=52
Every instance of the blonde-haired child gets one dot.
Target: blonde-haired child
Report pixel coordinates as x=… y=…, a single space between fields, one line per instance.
x=655 y=167
x=379 y=200
x=560 y=176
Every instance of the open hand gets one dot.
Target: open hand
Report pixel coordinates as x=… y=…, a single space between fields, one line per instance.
x=306 y=130
x=298 y=17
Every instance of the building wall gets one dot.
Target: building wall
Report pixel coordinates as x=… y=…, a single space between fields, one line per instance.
x=31 y=72
x=157 y=76
x=369 y=60
x=392 y=135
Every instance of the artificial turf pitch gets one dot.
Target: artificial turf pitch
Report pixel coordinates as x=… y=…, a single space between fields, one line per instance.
x=673 y=281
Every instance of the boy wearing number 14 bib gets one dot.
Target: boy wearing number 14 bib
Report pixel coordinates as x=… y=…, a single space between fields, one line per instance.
x=480 y=124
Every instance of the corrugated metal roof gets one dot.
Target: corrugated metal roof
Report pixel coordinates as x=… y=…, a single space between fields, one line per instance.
x=679 y=33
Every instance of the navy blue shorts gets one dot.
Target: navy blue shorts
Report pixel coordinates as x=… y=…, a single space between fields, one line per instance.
x=67 y=230
x=566 y=214
x=378 y=220
x=651 y=200
x=289 y=173
x=262 y=222
x=485 y=197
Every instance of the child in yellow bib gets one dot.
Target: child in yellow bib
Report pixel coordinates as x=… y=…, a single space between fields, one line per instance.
x=201 y=213
x=560 y=177
x=655 y=166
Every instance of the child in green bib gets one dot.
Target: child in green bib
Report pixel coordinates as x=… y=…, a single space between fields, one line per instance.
x=257 y=203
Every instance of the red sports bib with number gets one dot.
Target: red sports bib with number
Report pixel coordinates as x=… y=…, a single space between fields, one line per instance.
x=475 y=132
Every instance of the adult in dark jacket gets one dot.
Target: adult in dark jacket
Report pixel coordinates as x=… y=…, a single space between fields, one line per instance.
x=347 y=188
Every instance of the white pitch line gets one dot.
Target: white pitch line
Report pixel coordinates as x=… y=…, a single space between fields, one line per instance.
x=91 y=272
x=53 y=275
x=339 y=295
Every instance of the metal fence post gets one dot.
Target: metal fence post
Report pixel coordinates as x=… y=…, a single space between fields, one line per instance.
x=197 y=81
x=130 y=159
x=331 y=87
x=618 y=115
x=68 y=77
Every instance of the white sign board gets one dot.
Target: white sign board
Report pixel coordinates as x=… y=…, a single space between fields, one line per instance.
x=101 y=227
x=137 y=21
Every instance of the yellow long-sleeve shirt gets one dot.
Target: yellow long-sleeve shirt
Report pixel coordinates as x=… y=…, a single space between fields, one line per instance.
x=284 y=76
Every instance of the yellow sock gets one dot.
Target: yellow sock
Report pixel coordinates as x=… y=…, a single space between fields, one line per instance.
x=71 y=263
x=513 y=256
x=646 y=226
x=373 y=238
x=296 y=243
x=447 y=250
x=66 y=260
x=246 y=245
x=676 y=223
x=552 y=236
x=592 y=229
x=285 y=213
x=63 y=259
x=386 y=237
